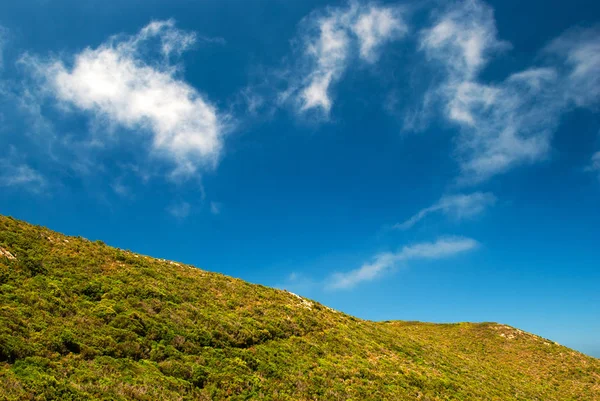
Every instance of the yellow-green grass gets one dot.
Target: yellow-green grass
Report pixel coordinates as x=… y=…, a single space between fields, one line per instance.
x=82 y=320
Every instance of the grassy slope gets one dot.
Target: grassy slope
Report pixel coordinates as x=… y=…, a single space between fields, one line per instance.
x=81 y=320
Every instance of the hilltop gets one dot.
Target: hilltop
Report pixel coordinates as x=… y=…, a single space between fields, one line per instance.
x=81 y=320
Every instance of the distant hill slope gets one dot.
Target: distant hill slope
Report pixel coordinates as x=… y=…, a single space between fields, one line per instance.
x=81 y=320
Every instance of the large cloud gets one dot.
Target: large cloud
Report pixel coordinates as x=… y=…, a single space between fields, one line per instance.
x=502 y=125
x=120 y=81
x=511 y=122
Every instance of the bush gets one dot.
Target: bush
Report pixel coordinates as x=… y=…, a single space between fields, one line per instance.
x=65 y=343
x=32 y=266
x=13 y=348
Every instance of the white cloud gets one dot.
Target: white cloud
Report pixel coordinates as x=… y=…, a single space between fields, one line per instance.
x=173 y=41
x=16 y=172
x=458 y=206
x=596 y=161
x=511 y=122
x=20 y=175
x=503 y=125
x=375 y=26
x=463 y=38
x=215 y=208
x=384 y=262
x=252 y=101
x=179 y=210
x=121 y=189
x=118 y=81
x=595 y=164
x=579 y=50
x=328 y=46
x=507 y=124
x=329 y=51
x=535 y=78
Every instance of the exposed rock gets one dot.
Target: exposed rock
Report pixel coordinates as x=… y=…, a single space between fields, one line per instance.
x=6 y=254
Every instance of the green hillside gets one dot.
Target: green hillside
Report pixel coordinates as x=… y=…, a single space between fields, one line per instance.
x=81 y=320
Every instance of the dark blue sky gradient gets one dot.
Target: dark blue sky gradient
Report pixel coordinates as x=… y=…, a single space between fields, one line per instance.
x=315 y=198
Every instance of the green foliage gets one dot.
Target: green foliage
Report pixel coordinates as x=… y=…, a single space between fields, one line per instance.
x=80 y=320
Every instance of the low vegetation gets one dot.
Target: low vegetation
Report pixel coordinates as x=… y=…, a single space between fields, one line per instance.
x=80 y=320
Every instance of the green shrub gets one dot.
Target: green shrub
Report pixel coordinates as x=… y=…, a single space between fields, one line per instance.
x=81 y=320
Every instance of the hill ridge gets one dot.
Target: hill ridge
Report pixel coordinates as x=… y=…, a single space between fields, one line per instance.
x=83 y=320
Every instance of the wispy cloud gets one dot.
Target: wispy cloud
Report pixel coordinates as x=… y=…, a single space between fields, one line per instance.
x=173 y=41
x=579 y=52
x=121 y=83
x=217 y=40
x=384 y=262
x=463 y=38
x=121 y=189
x=504 y=124
x=458 y=206
x=21 y=175
x=328 y=43
x=180 y=210
x=215 y=208
x=595 y=164
x=511 y=122
x=596 y=161
x=375 y=26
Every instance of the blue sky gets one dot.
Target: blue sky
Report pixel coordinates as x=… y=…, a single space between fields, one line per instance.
x=435 y=161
